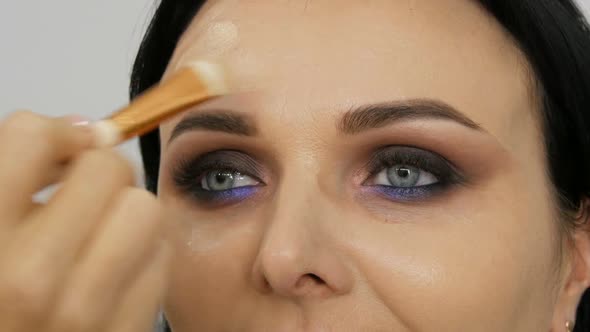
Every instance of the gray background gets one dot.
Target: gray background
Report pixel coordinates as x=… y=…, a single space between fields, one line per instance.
x=63 y=57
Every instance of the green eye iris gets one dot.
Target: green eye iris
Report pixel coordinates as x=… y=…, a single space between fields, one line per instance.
x=403 y=176
x=219 y=180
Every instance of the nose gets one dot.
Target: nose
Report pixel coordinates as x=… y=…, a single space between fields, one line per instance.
x=298 y=255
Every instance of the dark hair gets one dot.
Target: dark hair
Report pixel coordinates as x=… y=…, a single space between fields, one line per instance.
x=554 y=36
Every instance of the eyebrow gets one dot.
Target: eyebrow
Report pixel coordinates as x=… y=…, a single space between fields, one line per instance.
x=375 y=116
x=355 y=121
x=220 y=120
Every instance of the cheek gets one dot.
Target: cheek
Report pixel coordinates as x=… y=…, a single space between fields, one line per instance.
x=479 y=258
x=211 y=264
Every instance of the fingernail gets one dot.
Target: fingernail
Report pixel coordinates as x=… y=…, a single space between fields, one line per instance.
x=81 y=123
x=77 y=120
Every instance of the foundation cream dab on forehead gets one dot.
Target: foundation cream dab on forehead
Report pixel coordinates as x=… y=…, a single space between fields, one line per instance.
x=221 y=37
x=218 y=39
x=187 y=87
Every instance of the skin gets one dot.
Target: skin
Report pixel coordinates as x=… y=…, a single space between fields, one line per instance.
x=316 y=245
x=313 y=249
x=53 y=256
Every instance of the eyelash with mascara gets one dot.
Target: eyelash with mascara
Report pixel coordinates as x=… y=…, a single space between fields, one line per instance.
x=440 y=174
x=419 y=174
x=189 y=175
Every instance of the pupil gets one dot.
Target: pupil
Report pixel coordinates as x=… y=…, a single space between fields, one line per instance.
x=221 y=178
x=403 y=172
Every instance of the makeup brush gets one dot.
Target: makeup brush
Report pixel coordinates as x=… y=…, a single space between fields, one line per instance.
x=189 y=86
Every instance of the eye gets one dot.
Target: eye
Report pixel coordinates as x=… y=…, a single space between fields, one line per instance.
x=404 y=176
x=220 y=180
x=402 y=173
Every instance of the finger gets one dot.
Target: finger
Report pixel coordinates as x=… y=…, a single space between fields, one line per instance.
x=33 y=147
x=44 y=241
x=135 y=308
x=60 y=230
x=36 y=206
x=138 y=311
x=26 y=292
x=126 y=243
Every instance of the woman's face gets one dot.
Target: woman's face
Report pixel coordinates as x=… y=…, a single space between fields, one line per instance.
x=380 y=168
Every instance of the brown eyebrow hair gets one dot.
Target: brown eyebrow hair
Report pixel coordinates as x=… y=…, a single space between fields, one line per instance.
x=356 y=120
x=219 y=120
x=374 y=116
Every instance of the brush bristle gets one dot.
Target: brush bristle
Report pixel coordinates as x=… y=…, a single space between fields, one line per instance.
x=212 y=75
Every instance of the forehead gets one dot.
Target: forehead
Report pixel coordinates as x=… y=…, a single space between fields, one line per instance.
x=321 y=54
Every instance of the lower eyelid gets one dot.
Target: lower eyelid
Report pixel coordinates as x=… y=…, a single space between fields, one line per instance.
x=230 y=195
x=404 y=194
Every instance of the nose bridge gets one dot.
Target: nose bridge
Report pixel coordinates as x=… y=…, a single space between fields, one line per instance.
x=295 y=258
x=290 y=229
x=296 y=203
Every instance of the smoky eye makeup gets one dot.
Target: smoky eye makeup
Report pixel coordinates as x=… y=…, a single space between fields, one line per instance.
x=218 y=178
x=396 y=173
x=403 y=173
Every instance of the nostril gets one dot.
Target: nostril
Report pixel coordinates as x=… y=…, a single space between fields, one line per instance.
x=309 y=280
x=315 y=278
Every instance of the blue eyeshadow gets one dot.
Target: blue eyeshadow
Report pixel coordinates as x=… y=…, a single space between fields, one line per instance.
x=405 y=194
x=226 y=196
